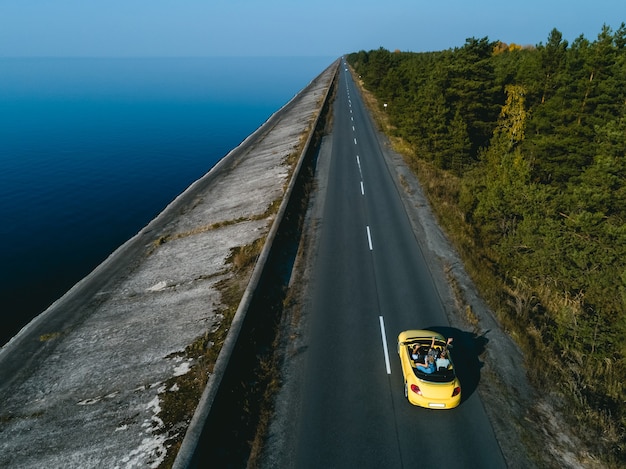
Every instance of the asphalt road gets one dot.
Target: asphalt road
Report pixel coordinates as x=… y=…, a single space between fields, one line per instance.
x=369 y=281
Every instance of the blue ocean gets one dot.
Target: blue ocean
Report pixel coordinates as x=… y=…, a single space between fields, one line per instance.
x=91 y=150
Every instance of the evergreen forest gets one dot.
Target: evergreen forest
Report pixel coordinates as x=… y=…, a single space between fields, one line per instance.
x=524 y=151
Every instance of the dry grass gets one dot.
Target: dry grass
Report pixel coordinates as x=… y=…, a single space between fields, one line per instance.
x=179 y=401
x=49 y=336
x=270 y=211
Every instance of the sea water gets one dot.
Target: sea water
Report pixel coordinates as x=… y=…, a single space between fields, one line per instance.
x=91 y=150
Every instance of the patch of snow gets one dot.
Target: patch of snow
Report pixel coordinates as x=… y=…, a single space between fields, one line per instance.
x=162 y=285
x=156 y=408
x=182 y=369
x=151 y=451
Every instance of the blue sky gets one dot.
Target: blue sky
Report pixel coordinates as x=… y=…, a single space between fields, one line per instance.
x=123 y=28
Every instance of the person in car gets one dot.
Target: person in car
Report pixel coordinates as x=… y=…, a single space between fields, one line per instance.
x=428 y=366
x=415 y=351
x=435 y=351
x=442 y=360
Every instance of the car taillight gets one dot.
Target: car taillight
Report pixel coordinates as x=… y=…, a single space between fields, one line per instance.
x=416 y=389
x=456 y=391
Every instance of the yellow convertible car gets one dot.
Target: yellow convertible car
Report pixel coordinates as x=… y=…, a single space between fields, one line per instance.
x=429 y=377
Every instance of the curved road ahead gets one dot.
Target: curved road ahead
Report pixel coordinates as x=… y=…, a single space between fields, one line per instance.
x=369 y=281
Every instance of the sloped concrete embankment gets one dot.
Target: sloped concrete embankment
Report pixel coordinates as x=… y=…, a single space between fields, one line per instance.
x=228 y=416
x=83 y=384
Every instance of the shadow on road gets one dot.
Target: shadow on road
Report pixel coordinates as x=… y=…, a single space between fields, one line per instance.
x=467 y=347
